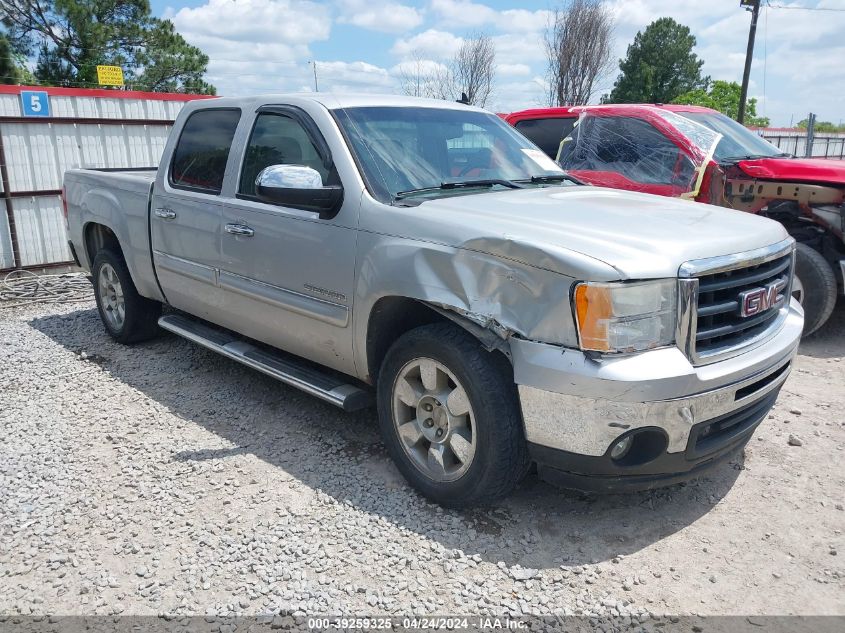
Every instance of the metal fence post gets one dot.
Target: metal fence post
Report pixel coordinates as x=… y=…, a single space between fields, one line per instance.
x=811 y=134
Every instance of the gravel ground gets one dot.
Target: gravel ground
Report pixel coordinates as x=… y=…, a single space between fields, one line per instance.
x=162 y=478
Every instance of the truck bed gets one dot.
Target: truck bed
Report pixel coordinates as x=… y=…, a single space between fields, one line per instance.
x=126 y=179
x=118 y=199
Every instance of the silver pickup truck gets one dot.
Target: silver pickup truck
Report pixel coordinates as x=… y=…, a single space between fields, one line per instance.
x=425 y=257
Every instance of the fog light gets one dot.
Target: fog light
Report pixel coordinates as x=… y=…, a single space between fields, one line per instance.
x=621 y=448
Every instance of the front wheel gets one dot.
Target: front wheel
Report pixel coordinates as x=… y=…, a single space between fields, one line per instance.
x=814 y=287
x=450 y=417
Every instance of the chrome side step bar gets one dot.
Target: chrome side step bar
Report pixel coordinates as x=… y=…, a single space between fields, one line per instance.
x=283 y=367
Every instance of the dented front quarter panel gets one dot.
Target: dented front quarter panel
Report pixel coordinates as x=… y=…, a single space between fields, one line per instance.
x=488 y=281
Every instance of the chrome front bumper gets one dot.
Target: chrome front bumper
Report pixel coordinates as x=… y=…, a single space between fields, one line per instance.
x=581 y=406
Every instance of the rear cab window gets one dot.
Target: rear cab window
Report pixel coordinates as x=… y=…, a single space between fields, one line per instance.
x=200 y=156
x=547 y=133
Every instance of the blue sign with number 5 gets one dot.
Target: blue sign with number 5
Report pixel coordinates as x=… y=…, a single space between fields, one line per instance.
x=35 y=103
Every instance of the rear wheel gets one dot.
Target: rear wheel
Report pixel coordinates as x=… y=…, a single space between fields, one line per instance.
x=450 y=417
x=128 y=317
x=814 y=286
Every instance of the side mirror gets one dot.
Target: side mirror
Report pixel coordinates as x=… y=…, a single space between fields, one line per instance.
x=299 y=187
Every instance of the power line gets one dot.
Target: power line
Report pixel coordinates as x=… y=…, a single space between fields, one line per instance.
x=783 y=6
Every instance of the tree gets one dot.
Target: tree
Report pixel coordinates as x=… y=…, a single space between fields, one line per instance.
x=72 y=37
x=578 y=48
x=420 y=77
x=8 y=65
x=821 y=126
x=660 y=66
x=724 y=96
x=13 y=69
x=170 y=64
x=473 y=70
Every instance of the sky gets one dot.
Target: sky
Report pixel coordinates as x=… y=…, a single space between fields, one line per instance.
x=262 y=46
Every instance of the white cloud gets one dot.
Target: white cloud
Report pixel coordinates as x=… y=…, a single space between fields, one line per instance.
x=465 y=13
x=511 y=49
x=518 y=94
x=254 y=21
x=389 y=17
x=513 y=70
x=520 y=20
x=423 y=67
x=338 y=76
x=520 y=49
x=431 y=43
x=255 y=46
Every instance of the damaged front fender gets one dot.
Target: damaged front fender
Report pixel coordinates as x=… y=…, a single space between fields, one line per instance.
x=496 y=297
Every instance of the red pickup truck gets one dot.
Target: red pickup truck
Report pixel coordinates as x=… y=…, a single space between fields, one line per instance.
x=699 y=154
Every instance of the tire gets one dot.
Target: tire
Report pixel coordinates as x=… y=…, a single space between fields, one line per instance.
x=113 y=288
x=481 y=383
x=819 y=287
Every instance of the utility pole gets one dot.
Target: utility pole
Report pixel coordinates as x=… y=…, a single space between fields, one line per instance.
x=314 y=66
x=754 y=7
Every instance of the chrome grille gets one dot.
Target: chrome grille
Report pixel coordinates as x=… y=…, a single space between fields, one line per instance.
x=715 y=324
x=720 y=323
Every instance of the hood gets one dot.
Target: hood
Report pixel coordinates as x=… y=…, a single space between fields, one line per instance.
x=571 y=230
x=811 y=170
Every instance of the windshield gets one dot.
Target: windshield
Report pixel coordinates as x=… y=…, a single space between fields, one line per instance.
x=738 y=141
x=404 y=150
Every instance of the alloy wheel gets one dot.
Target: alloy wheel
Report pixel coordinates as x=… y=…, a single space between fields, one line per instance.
x=111 y=297
x=434 y=419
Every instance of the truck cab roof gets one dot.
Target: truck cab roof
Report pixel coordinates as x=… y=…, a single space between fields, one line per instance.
x=330 y=100
x=610 y=109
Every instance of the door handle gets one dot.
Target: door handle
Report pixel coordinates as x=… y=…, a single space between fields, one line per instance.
x=240 y=229
x=165 y=214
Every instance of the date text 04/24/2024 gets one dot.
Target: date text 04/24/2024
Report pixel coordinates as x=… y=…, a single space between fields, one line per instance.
x=417 y=623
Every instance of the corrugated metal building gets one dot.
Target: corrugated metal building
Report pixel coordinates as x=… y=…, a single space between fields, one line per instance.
x=43 y=135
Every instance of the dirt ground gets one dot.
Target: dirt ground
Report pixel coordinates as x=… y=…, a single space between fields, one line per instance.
x=161 y=478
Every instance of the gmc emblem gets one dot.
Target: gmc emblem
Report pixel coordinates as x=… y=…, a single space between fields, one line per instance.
x=753 y=302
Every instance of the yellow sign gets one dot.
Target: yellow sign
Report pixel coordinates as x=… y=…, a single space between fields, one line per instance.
x=110 y=75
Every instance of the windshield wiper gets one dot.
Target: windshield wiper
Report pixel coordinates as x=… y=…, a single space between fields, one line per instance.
x=754 y=157
x=542 y=180
x=488 y=182
x=465 y=184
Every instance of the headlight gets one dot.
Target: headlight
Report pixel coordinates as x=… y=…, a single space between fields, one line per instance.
x=626 y=317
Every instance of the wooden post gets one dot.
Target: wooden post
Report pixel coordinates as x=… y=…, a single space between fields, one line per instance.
x=754 y=5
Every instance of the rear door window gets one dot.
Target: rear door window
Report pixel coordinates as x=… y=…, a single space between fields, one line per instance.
x=547 y=133
x=199 y=160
